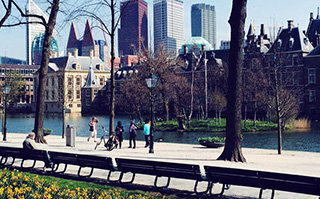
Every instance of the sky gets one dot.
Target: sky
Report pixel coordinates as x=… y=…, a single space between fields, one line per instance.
x=272 y=13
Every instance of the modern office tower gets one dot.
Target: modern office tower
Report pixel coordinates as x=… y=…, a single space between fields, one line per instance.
x=34 y=29
x=133 y=32
x=203 y=22
x=168 y=24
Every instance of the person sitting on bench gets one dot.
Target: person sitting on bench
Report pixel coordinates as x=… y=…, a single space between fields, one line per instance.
x=29 y=144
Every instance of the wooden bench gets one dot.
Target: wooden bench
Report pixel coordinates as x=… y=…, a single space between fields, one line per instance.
x=262 y=180
x=289 y=182
x=92 y=161
x=96 y=162
x=160 y=169
x=19 y=153
x=10 y=152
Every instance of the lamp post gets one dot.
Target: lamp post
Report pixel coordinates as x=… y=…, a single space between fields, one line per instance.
x=151 y=81
x=5 y=90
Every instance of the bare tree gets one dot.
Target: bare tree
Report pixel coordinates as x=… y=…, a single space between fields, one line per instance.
x=8 y=9
x=96 y=9
x=49 y=26
x=233 y=150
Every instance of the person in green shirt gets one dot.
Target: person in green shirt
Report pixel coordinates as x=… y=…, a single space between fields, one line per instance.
x=146 y=131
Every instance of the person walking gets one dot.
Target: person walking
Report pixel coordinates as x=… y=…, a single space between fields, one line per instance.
x=119 y=133
x=146 y=131
x=93 y=128
x=132 y=134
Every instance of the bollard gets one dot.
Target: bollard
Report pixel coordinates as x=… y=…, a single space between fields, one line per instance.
x=70 y=136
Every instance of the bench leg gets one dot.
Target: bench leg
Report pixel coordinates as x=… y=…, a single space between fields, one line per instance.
x=121 y=176
x=260 y=193
x=86 y=176
x=3 y=160
x=56 y=167
x=201 y=192
x=34 y=164
x=166 y=186
x=272 y=193
x=224 y=187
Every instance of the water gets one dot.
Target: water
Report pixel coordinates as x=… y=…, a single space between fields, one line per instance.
x=293 y=140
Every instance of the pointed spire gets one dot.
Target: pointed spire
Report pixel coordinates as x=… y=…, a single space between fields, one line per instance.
x=73 y=39
x=250 y=32
x=91 y=78
x=88 y=37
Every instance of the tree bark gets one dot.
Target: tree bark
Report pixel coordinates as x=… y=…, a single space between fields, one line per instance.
x=39 y=117
x=232 y=150
x=113 y=85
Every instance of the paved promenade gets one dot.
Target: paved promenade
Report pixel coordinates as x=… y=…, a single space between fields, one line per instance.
x=303 y=163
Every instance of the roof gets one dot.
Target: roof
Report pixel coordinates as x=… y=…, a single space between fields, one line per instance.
x=73 y=39
x=313 y=29
x=198 y=41
x=88 y=37
x=85 y=62
x=20 y=66
x=315 y=51
x=294 y=40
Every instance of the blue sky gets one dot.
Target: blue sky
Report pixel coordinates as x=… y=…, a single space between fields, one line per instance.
x=271 y=13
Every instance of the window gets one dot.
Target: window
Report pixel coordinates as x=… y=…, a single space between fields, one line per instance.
x=27 y=89
x=69 y=94
x=31 y=87
x=311 y=75
x=101 y=81
x=78 y=94
x=70 y=105
x=88 y=93
x=69 y=81
x=53 y=96
x=312 y=96
x=52 y=83
x=47 y=95
x=47 y=83
x=95 y=92
x=78 y=105
x=78 y=81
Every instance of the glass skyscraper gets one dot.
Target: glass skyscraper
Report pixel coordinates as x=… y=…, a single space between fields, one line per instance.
x=168 y=24
x=203 y=22
x=34 y=29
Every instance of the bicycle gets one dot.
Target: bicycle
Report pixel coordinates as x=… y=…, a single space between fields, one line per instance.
x=110 y=144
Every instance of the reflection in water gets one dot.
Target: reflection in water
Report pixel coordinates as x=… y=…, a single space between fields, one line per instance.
x=295 y=140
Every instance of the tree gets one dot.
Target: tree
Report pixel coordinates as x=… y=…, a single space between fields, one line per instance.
x=8 y=9
x=96 y=9
x=49 y=26
x=232 y=150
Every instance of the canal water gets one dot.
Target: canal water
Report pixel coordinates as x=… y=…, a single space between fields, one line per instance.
x=292 y=140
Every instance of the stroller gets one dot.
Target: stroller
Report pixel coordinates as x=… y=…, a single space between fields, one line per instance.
x=111 y=143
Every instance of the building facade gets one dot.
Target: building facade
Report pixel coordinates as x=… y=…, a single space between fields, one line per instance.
x=34 y=29
x=25 y=95
x=168 y=25
x=66 y=78
x=203 y=22
x=133 y=31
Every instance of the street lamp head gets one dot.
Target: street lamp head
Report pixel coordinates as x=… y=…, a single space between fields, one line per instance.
x=152 y=81
x=6 y=89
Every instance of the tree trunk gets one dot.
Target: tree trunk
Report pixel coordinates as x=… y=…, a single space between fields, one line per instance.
x=166 y=104
x=112 y=96
x=255 y=115
x=245 y=116
x=63 y=121
x=39 y=117
x=232 y=150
